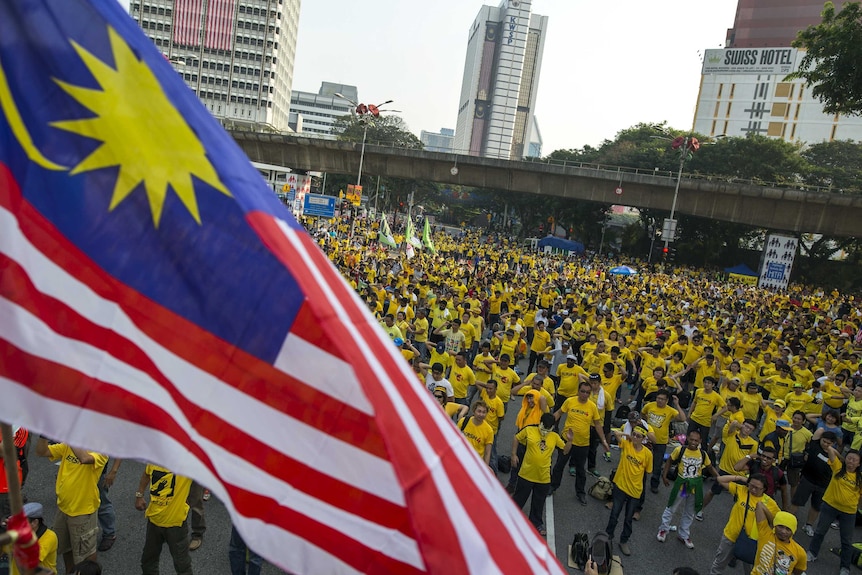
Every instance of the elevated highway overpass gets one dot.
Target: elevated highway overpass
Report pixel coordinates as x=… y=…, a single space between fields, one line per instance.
x=775 y=208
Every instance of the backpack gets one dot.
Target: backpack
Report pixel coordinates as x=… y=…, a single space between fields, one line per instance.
x=504 y=464
x=673 y=470
x=602 y=552
x=601 y=489
x=580 y=551
x=622 y=412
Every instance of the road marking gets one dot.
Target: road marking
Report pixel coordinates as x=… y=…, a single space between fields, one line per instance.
x=549 y=523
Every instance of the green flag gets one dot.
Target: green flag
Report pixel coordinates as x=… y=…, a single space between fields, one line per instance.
x=384 y=236
x=426 y=237
x=410 y=234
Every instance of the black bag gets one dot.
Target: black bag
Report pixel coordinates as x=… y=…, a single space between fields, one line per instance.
x=622 y=412
x=504 y=464
x=602 y=552
x=581 y=550
x=745 y=548
x=797 y=461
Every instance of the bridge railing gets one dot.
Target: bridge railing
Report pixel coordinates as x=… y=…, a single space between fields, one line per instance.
x=609 y=169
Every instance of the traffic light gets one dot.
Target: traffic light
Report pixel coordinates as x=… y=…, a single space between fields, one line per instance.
x=671 y=255
x=664 y=252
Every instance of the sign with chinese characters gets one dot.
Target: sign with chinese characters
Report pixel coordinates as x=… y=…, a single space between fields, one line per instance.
x=778 y=255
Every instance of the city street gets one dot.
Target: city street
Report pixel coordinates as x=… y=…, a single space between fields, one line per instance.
x=649 y=557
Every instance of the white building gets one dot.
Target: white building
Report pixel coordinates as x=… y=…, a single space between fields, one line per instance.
x=236 y=55
x=501 y=81
x=743 y=91
x=441 y=141
x=314 y=114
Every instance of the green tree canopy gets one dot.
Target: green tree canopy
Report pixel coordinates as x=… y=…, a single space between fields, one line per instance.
x=385 y=131
x=836 y=165
x=831 y=63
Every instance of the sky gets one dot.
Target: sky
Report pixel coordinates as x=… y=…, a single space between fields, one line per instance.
x=607 y=64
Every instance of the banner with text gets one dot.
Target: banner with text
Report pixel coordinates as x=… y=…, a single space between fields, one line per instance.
x=750 y=61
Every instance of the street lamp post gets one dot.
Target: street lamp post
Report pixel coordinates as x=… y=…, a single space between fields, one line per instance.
x=686 y=145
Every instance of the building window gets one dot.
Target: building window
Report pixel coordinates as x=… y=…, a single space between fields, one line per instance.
x=779 y=109
x=729 y=104
x=732 y=90
x=775 y=129
x=720 y=87
x=717 y=104
x=784 y=90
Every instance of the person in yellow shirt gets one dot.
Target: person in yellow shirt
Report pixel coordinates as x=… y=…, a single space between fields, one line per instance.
x=535 y=382
x=420 y=332
x=777 y=552
x=47 y=539
x=635 y=463
x=462 y=378
x=569 y=374
x=76 y=523
x=704 y=404
x=166 y=518
x=506 y=377
x=738 y=444
x=747 y=493
x=540 y=344
x=478 y=432
x=534 y=476
x=483 y=367
x=840 y=503
x=581 y=416
x=659 y=415
x=455 y=411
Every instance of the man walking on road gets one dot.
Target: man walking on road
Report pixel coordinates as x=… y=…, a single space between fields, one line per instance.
x=166 y=519
x=635 y=463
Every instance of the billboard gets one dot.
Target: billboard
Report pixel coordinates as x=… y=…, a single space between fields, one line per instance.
x=778 y=255
x=318 y=205
x=779 y=61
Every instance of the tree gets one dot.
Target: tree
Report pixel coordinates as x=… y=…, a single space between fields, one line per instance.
x=836 y=165
x=382 y=131
x=754 y=157
x=831 y=63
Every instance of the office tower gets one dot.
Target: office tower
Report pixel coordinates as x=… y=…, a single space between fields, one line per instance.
x=438 y=141
x=772 y=23
x=501 y=81
x=315 y=113
x=236 y=55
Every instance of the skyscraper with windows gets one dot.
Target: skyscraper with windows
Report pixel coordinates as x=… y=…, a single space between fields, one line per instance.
x=236 y=55
x=501 y=81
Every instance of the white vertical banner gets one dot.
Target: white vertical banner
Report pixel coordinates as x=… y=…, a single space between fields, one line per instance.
x=778 y=255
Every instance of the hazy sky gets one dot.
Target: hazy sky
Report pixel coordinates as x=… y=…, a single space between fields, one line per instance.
x=607 y=64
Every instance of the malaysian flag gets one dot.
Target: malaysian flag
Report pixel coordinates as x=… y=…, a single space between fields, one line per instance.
x=219 y=24
x=187 y=22
x=158 y=302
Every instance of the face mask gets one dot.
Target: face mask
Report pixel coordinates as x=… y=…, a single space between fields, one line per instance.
x=543 y=431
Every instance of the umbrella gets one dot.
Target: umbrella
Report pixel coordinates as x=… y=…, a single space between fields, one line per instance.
x=624 y=271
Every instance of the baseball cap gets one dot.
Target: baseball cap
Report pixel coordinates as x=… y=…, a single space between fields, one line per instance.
x=595 y=377
x=572 y=357
x=33 y=510
x=782 y=424
x=780 y=403
x=398 y=341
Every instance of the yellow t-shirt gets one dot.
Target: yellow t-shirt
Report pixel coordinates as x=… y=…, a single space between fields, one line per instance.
x=496 y=410
x=705 y=405
x=735 y=448
x=842 y=493
x=480 y=437
x=775 y=556
x=737 y=512
x=481 y=369
x=420 y=329
x=659 y=419
x=452 y=408
x=77 y=484
x=541 y=340
x=536 y=466
x=506 y=378
x=168 y=494
x=633 y=465
x=751 y=405
x=461 y=378
x=691 y=463
x=579 y=418
x=569 y=379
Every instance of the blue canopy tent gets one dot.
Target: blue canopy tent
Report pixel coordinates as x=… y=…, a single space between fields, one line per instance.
x=562 y=244
x=742 y=270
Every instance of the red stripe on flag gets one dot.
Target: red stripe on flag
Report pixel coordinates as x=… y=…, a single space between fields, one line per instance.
x=219 y=24
x=15 y=286
x=187 y=22
x=66 y=385
x=424 y=499
x=243 y=371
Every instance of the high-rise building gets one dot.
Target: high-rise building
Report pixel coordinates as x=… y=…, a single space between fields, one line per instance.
x=236 y=55
x=315 y=114
x=772 y=23
x=438 y=141
x=501 y=81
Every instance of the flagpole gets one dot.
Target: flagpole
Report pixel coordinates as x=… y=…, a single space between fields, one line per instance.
x=10 y=463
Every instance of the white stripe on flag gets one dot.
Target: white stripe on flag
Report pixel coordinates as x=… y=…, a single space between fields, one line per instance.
x=475 y=550
x=306 y=362
x=129 y=440
x=368 y=472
